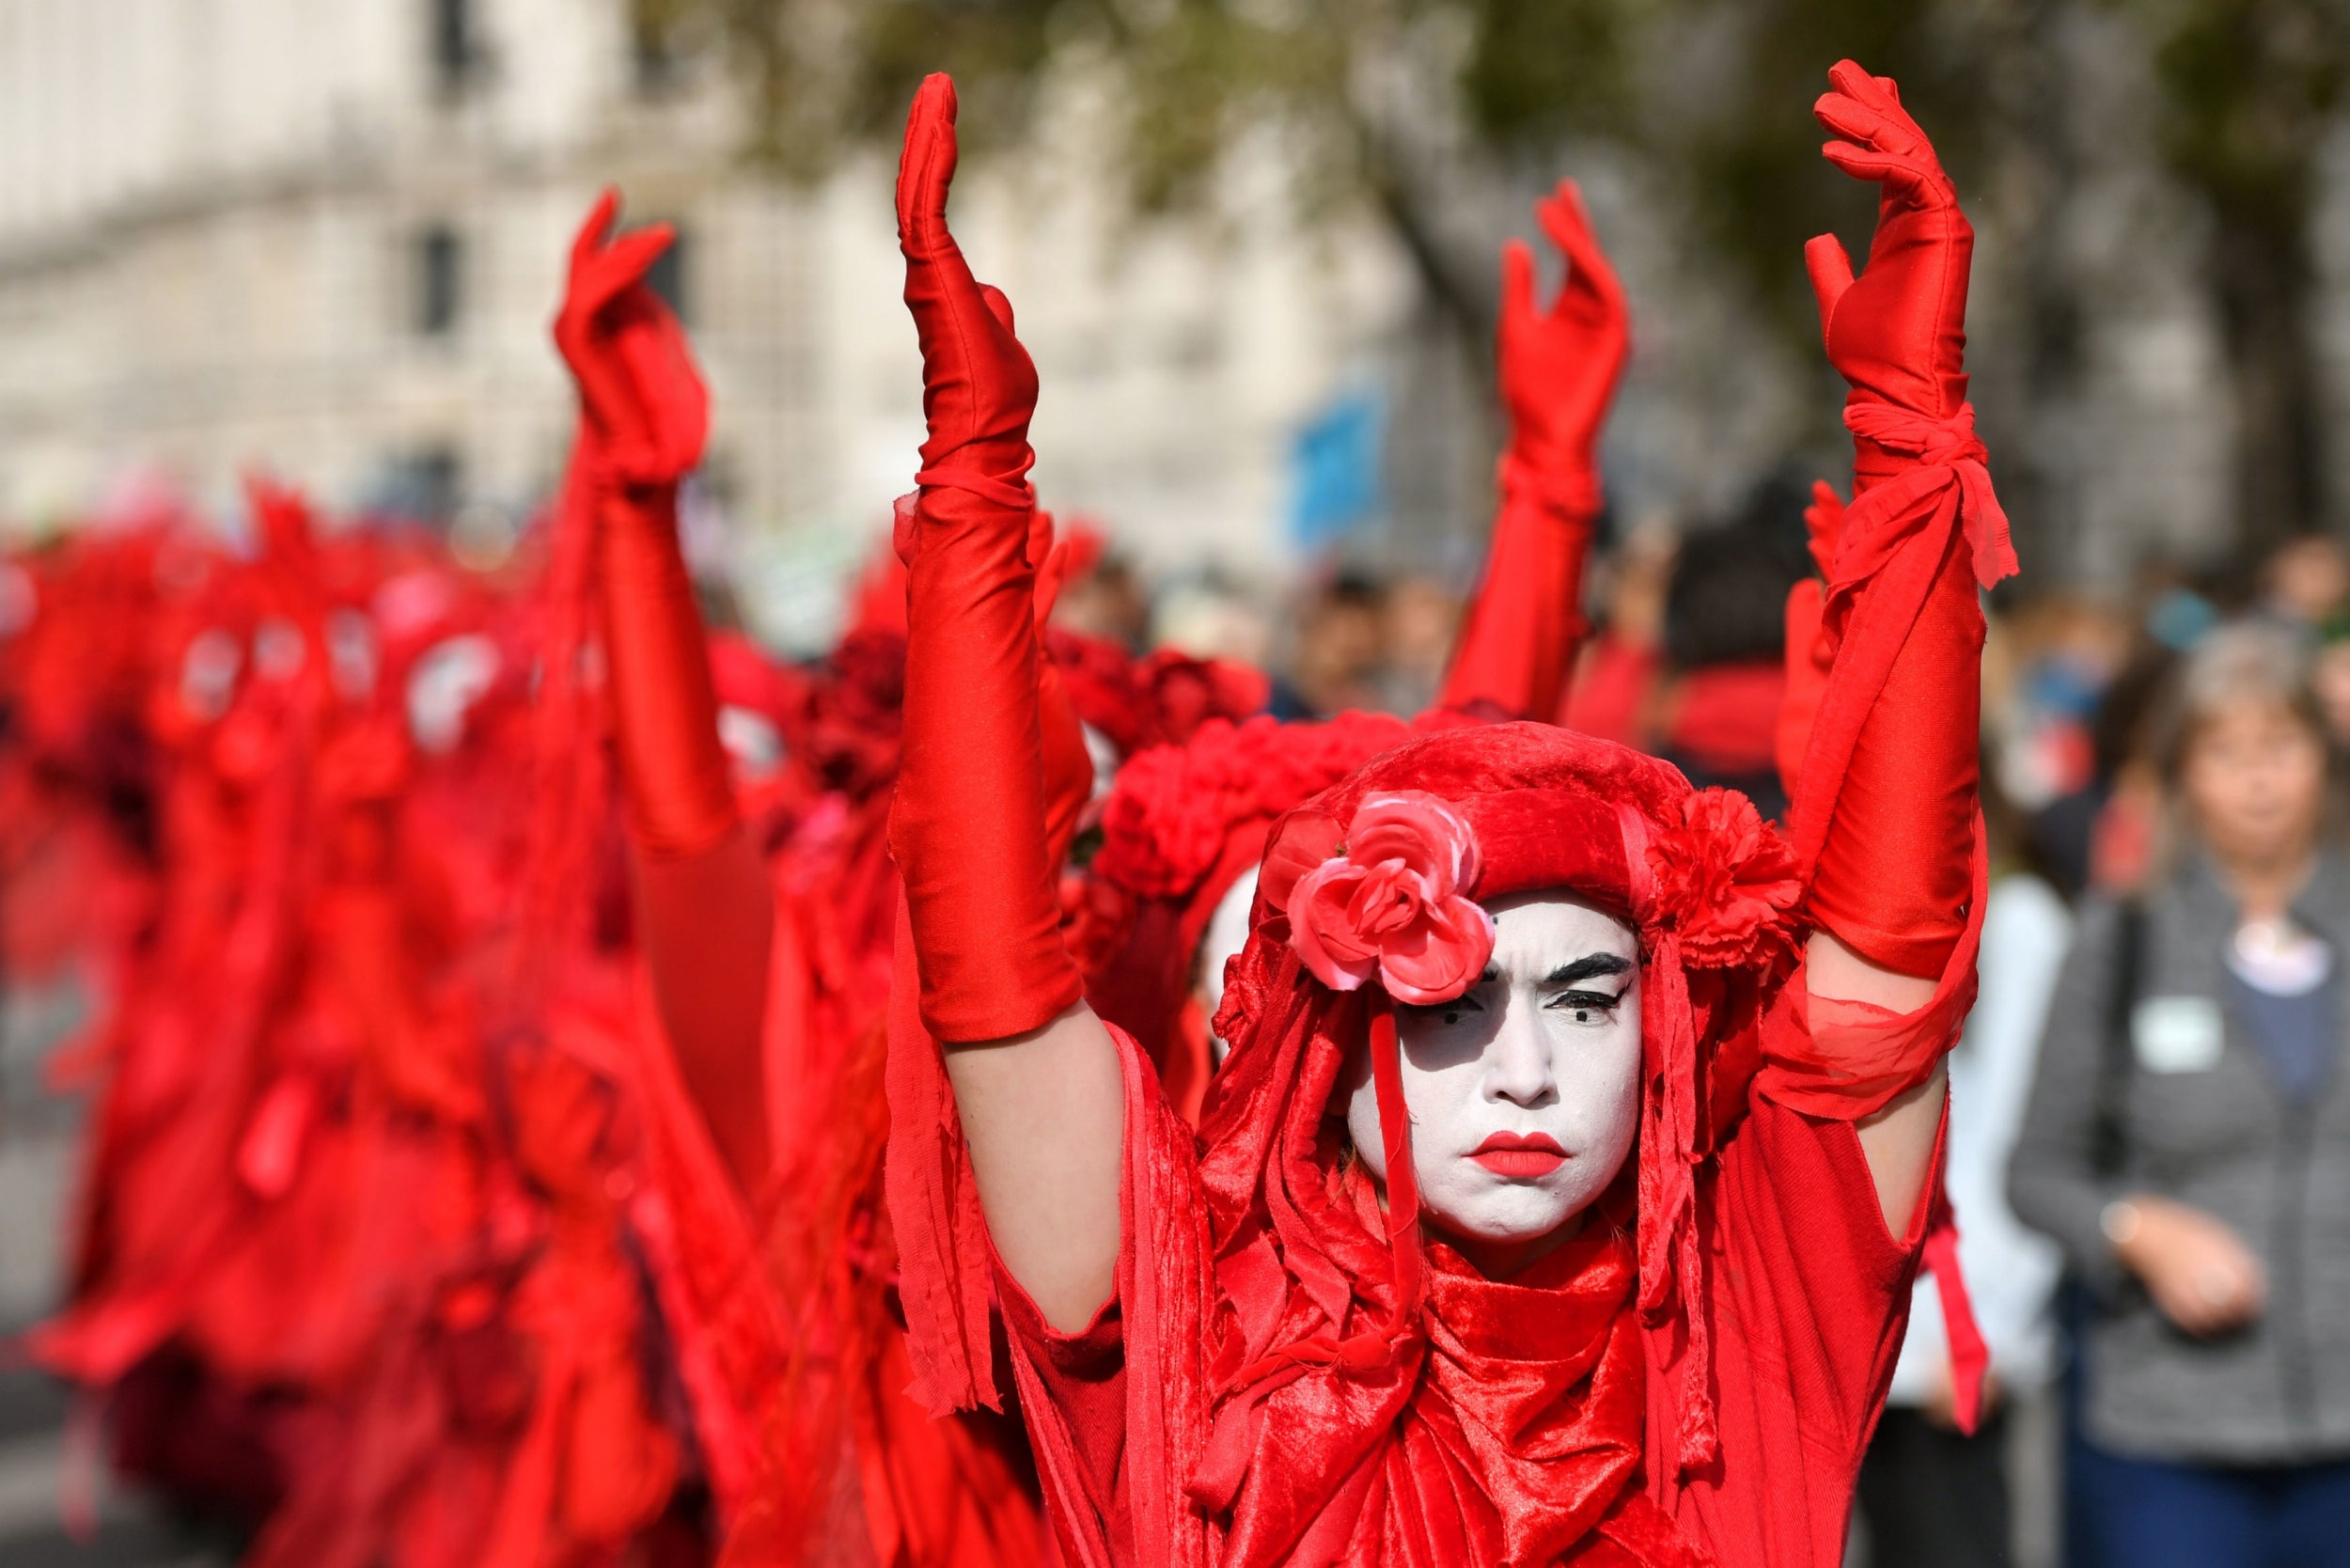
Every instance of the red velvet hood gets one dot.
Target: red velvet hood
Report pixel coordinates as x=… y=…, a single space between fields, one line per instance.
x=1708 y=886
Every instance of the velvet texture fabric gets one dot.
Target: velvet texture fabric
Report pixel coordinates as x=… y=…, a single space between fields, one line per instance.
x=1181 y=825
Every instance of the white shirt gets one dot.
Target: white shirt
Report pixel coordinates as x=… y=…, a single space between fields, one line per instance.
x=2010 y=1272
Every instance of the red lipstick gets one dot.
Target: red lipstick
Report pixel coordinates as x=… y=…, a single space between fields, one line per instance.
x=1520 y=1157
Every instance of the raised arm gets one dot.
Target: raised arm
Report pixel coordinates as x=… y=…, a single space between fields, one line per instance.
x=1036 y=1078
x=705 y=907
x=1558 y=373
x=1889 y=804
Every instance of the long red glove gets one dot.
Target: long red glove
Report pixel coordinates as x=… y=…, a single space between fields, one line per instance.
x=645 y=417
x=1559 y=374
x=969 y=824
x=1891 y=804
x=705 y=904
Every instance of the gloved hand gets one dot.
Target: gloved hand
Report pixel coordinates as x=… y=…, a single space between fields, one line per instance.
x=968 y=825
x=1898 y=333
x=1559 y=368
x=1559 y=371
x=642 y=399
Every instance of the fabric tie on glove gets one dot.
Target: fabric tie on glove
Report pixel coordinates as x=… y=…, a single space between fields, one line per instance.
x=1891 y=807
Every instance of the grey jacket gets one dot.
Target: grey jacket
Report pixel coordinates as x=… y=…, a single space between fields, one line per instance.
x=2202 y=1123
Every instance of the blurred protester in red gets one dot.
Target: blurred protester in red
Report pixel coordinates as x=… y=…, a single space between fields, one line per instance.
x=1615 y=678
x=1717 y=712
x=766 y=968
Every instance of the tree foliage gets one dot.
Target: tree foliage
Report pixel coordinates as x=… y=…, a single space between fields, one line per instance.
x=1415 y=106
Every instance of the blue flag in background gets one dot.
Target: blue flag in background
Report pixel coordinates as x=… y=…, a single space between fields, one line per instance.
x=1335 y=459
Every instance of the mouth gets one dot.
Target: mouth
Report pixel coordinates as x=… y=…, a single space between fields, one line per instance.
x=1520 y=1157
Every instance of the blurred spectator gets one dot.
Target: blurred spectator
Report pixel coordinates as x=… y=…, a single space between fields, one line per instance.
x=1342 y=644
x=2046 y=669
x=1933 y=1497
x=1208 y=617
x=1615 y=676
x=2188 y=1143
x=1106 y=602
x=1724 y=636
x=2307 y=582
x=2331 y=678
x=1422 y=620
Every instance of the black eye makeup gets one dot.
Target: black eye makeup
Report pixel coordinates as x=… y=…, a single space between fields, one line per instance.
x=1560 y=989
x=1580 y=1002
x=1585 y=1007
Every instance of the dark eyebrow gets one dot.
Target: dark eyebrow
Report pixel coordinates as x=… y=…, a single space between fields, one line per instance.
x=1590 y=966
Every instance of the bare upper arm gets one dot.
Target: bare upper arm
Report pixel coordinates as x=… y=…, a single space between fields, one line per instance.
x=1898 y=1140
x=1044 y=1115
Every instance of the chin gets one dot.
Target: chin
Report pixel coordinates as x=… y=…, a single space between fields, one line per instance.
x=1508 y=1218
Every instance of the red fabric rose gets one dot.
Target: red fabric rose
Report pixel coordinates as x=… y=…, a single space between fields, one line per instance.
x=1389 y=904
x=1725 y=880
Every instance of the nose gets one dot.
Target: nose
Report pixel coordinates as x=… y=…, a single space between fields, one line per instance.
x=1517 y=1059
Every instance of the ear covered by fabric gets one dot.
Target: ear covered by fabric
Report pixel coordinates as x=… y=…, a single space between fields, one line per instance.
x=1559 y=371
x=967 y=826
x=1892 y=876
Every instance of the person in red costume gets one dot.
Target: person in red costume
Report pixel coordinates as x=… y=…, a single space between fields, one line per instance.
x=1164 y=901
x=1559 y=1198
x=758 y=969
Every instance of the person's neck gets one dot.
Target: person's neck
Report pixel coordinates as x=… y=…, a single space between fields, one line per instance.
x=2265 y=885
x=1501 y=1260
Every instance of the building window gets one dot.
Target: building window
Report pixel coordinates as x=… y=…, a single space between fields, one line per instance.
x=456 y=49
x=654 y=63
x=440 y=281
x=667 y=275
x=425 y=485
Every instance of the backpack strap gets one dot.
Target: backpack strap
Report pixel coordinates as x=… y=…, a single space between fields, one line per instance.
x=2116 y=1052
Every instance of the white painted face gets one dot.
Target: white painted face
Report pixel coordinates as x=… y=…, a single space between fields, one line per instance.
x=1524 y=1092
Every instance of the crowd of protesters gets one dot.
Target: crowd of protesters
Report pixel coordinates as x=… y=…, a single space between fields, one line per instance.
x=520 y=1137
x=2150 y=1070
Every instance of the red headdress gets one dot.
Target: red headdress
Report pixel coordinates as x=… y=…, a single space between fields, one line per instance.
x=1158 y=700
x=1179 y=826
x=1477 y=813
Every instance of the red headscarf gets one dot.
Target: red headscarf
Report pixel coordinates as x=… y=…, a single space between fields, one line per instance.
x=1709 y=887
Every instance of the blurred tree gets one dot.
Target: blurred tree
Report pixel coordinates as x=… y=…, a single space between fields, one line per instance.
x=2252 y=88
x=1411 y=104
x=1426 y=109
x=1368 y=90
